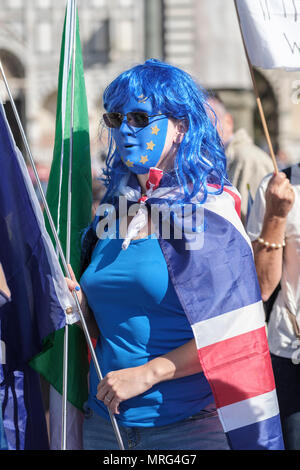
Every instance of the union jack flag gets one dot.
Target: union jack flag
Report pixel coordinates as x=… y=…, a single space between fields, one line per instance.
x=218 y=289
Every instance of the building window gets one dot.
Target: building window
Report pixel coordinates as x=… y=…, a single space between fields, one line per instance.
x=99 y=41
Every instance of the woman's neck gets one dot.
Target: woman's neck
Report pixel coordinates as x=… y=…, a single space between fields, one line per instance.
x=165 y=164
x=142 y=179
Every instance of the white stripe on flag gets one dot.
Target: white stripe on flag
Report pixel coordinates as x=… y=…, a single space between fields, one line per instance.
x=74 y=423
x=223 y=205
x=250 y=411
x=69 y=38
x=62 y=292
x=2 y=352
x=229 y=325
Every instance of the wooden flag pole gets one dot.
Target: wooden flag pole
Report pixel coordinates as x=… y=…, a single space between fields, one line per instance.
x=258 y=100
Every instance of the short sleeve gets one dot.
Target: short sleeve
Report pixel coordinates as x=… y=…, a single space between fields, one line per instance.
x=257 y=213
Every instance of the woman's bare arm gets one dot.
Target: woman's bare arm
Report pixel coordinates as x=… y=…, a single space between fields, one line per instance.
x=123 y=384
x=268 y=261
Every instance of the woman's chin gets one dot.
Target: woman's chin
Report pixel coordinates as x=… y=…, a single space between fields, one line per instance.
x=139 y=170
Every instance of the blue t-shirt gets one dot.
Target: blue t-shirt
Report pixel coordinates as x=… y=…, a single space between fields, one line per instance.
x=139 y=317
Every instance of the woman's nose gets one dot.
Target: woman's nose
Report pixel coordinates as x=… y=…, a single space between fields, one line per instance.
x=126 y=128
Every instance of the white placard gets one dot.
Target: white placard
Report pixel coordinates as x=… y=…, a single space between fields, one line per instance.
x=271 y=29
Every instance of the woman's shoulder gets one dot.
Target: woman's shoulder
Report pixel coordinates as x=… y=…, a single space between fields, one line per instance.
x=223 y=207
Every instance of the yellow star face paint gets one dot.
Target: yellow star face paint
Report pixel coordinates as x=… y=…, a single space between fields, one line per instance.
x=150 y=145
x=129 y=163
x=144 y=159
x=155 y=129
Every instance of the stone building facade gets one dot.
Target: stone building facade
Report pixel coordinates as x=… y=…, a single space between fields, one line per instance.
x=201 y=36
x=30 y=40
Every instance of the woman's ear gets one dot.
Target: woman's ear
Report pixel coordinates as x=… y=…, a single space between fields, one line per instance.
x=181 y=126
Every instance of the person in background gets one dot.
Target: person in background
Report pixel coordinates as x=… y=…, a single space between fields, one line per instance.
x=247 y=164
x=274 y=228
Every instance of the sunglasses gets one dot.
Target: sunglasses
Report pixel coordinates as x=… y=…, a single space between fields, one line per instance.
x=134 y=119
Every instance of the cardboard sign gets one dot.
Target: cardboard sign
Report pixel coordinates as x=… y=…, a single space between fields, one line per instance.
x=271 y=29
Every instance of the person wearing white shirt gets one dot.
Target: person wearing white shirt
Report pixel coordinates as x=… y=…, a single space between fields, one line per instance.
x=274 y=229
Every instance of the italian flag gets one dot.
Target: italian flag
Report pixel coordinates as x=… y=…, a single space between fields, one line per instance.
x=71 y=149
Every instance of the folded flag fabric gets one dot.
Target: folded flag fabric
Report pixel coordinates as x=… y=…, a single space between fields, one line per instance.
x=3 y=441
x=39 y=295
x=249 y=203
x=223 y=304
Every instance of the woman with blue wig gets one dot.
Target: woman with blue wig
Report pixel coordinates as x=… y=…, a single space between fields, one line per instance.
x=158 y=300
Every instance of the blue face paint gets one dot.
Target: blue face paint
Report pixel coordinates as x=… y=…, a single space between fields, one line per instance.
x=140 y=148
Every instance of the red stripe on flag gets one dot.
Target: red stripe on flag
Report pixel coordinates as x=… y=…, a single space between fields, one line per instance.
x=243 y=368
x=237 y=199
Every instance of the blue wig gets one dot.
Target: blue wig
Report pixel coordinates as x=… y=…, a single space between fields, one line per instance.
x=200 y=157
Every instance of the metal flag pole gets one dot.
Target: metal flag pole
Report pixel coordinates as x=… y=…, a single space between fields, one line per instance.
x=73 y=44
x=61 y=253
x=258 y=100
x=68 y=238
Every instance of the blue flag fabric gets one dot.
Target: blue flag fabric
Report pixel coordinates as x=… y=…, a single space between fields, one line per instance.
x=23 y=418
x=3 y=440
x=249 y=204
x=39 y=297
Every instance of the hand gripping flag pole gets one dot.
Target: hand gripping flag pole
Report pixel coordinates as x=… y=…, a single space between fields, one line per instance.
x=58 y=244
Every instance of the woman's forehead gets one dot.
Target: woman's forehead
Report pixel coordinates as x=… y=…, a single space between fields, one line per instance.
x=142 y=103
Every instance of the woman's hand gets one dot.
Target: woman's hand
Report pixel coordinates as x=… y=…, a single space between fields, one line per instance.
x=280 y=196
x=120 y=385
x=73 y=285
x=88 y=315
